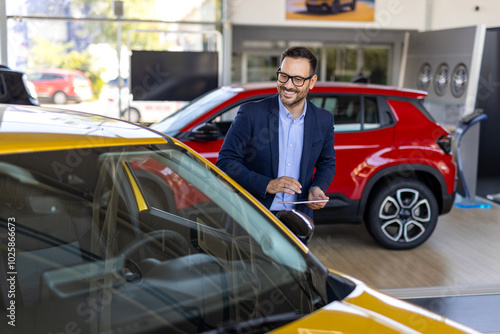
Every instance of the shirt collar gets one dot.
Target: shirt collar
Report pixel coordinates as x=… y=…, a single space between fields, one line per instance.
x=284 y=111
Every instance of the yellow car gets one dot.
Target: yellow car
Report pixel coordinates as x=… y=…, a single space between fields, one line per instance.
x=109 y=227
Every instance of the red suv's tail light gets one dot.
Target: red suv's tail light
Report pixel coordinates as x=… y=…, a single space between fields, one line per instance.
x=445 y=143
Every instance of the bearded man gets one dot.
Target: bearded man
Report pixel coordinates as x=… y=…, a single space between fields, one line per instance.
x=280 y=148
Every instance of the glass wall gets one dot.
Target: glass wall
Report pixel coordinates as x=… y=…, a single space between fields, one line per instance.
x=262 y=67
x=85 y=34
x=341 y=63
x=336 y=63
x=376 y=64
x=97 y=37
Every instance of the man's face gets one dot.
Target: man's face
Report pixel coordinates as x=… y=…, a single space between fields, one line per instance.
x=290 y=94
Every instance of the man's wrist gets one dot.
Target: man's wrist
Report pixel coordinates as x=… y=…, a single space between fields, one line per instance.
x=312 y=187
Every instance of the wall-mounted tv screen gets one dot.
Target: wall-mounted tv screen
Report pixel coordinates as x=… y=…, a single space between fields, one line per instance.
x=172 y=76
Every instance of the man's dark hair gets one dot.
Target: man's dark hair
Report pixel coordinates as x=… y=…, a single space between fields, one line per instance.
x=301 y=52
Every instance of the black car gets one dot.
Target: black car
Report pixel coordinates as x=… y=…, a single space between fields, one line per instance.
x=15 y=88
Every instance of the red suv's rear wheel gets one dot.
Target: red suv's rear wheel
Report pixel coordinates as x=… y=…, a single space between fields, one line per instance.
x=403 y=214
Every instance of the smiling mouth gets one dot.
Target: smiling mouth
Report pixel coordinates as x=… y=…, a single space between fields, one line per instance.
x=289 y=93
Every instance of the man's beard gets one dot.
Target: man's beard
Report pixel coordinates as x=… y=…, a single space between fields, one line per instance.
x=290 y=103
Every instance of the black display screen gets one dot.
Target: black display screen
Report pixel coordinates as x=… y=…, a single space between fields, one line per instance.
x=172 y=76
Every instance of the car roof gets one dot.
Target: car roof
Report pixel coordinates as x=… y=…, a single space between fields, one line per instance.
x=340 y=87
x=4 y=68
x=30 y=128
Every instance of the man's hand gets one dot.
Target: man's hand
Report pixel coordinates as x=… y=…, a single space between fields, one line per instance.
x=284 y=184
x=315 y=194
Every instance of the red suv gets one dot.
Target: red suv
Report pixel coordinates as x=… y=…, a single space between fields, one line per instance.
x=61 y=85
x=395 y=170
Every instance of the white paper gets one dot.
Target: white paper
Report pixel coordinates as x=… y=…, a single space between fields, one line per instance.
x=305 y=202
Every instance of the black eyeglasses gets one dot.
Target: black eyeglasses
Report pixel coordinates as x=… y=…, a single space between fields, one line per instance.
x=298 y=81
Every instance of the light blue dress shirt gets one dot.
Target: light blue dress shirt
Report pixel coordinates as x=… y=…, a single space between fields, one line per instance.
x=291 y=139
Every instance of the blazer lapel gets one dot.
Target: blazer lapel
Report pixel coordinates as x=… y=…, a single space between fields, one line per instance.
x=273 y=126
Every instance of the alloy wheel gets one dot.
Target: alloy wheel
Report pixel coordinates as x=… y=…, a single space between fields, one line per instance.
x=404 y=216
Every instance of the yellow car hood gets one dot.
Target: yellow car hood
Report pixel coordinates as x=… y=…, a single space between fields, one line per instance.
x=21 y=127
x=369 y=311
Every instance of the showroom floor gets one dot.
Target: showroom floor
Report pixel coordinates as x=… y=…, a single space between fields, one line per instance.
x=458 y=267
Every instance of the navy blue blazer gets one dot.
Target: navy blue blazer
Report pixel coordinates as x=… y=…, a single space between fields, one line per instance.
x=250 y=152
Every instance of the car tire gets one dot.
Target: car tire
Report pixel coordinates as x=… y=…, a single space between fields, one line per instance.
x=335 y=7
x=60 y=98
x=402 y=214
x=131 y=114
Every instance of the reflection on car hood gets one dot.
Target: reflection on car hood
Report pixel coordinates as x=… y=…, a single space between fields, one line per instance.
x=368 y=311
x=56 y=129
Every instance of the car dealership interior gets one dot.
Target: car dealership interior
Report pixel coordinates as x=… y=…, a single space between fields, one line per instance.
x=447 y=48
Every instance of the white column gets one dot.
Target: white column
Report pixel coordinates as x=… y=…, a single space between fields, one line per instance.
x=3 y=34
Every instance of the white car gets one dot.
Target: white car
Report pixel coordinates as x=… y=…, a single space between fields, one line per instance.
x=146 y=112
